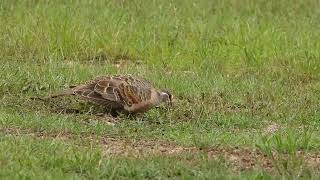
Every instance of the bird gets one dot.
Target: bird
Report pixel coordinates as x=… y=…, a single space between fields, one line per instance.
x=120 y=93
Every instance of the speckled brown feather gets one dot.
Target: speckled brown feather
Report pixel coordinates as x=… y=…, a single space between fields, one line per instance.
x=126 y=93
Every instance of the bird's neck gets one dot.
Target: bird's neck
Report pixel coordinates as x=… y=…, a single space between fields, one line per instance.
x=156 y=97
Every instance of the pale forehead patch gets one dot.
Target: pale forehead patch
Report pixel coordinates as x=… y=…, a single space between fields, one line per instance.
x=164 y=94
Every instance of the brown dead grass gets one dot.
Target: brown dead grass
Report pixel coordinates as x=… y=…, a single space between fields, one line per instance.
x=239 y=158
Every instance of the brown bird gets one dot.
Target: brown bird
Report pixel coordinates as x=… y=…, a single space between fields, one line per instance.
x=120 y=93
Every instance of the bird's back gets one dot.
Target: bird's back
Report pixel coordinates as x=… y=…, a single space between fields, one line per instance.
x=122 y=92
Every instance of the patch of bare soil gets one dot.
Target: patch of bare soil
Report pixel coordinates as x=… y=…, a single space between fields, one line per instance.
x=239 y=158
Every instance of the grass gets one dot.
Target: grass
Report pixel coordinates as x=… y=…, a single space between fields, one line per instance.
x=235 y=68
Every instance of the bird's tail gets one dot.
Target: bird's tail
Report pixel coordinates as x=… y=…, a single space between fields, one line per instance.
x=67 y=92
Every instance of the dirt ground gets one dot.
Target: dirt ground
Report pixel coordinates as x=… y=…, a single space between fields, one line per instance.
x=238 y=158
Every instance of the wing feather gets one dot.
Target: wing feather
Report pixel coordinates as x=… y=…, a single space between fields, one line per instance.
x=116 y=91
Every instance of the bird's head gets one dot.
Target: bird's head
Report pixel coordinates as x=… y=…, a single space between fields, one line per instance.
x=165 y=96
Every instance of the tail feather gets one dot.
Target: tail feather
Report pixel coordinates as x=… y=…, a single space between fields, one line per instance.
x=64 y=93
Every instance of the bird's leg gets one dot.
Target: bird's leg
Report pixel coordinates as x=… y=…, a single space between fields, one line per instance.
x=114 y=113
x=107 y=112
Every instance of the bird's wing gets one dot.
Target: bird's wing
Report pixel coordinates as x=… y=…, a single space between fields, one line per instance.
x=124 y=90
x=87 y=91
x=118 y=92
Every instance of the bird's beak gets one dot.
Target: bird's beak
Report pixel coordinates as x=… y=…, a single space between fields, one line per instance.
x=170 y=102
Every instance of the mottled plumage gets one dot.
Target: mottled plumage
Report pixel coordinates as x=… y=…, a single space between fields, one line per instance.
x=120 y=93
